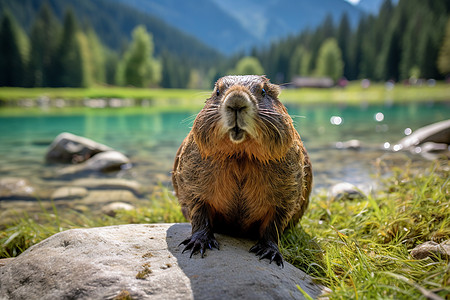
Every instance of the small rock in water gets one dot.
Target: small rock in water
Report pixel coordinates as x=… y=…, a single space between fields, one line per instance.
x=345 y=191
x=112 y=208
x=108 y=196
x=13 y=188
x=432 y=250
x=69 y=192
x=70 y=148
x=109 y=184
x=101 y=162
x=349 y=145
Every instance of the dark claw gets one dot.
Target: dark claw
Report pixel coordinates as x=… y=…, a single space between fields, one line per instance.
x=199 y=241
x=269 y=250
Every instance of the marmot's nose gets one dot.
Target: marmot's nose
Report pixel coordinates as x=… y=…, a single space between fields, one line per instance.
x=237 y=102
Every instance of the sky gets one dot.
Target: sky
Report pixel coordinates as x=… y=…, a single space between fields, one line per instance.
x=353 y=1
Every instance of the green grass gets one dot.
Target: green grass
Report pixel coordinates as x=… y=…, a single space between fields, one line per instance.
x=13 y=93
x=359 y=249
x=353 y=94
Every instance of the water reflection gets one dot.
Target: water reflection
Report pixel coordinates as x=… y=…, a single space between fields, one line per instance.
x=336 y=120
x=151 y=139
x=379 y=116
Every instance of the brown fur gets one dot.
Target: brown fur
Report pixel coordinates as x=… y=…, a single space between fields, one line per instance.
x=255 y=187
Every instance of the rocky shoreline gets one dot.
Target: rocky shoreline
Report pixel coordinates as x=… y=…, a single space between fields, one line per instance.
x=75 y=160
x=81 y=174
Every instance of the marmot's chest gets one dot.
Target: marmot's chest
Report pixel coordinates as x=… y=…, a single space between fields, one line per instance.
x=241 y=195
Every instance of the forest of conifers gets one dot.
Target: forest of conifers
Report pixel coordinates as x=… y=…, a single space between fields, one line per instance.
x=410 y=39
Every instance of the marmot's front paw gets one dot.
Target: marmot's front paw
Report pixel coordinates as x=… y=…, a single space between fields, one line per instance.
x=268 y=249
x=199 y=241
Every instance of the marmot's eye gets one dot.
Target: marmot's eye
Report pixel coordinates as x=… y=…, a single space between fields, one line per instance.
x=217 y=91
x=263 y=92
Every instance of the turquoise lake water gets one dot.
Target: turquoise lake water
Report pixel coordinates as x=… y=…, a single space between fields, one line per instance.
x=151 y=139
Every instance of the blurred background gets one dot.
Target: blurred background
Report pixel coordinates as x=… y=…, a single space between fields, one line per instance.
x=186 y=44
x=357 y=78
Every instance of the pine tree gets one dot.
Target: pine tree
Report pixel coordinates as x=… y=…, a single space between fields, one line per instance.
x=97 y=56
x=68 y=63
x=329 y=62
x=356 y=51
x=343 y=39
x=444 y=53
x=300 y=63
x=111 y=63
x=12 y=53
x=248 y=66
x=138 y=67
x=44 y=34
x=87 y=60
x=388 y=65
x=409 y=55
x=175 y=74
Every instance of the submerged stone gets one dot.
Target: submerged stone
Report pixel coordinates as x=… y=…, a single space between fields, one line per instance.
x=102 y=162
x=349 y=145
x=69 y=192
x=70 y=148
x=108 y=196
x=14 y=188
x=109 y=184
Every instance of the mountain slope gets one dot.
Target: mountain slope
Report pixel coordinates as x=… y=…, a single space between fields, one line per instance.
x=273 y=19
x=291 y=16
x=114 y=23
x=233 y=25
x=202 y=18
x=372 y=6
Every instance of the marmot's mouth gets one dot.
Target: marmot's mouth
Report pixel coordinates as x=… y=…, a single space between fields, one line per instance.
x=237 y=134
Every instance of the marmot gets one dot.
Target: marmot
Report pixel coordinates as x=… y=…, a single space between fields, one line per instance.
x=242 y=170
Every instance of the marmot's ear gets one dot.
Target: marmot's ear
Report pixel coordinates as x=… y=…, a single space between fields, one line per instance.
x=273 y=90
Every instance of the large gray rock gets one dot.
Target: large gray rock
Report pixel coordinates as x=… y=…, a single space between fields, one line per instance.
x=145 y=262
x=70 y=148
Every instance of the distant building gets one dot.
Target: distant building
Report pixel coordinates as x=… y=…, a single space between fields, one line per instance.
x=314 y=82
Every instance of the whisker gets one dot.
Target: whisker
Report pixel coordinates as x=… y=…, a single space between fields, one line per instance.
x=269 y=111
x=210 y=119
x=189 y=119
x=270 y=121
x=202 y=94
x=295 y=116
